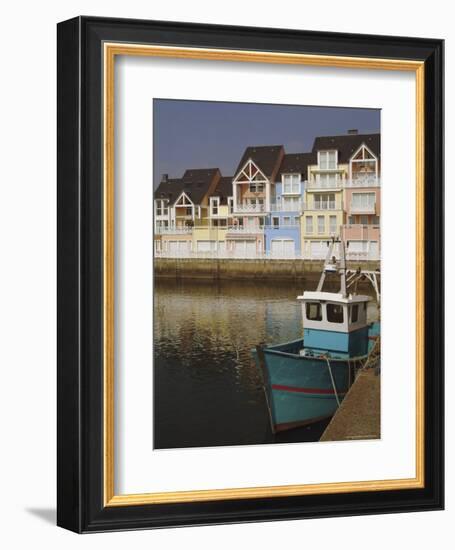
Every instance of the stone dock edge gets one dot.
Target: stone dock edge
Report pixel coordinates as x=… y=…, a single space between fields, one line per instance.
x=245 y=269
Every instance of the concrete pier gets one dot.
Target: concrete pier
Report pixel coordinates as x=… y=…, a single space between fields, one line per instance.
x=359 y=415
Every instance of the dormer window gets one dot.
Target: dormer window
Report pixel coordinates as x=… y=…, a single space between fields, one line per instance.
x=214 y=206
x=291 y=184
x=328 y=160
x=161 y=207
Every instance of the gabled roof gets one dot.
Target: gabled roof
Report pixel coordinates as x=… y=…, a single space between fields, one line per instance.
x=266 y=157
x=347 y=145
x=296 y=163
x=195 y=183
x=170 y=190
x=223 y=189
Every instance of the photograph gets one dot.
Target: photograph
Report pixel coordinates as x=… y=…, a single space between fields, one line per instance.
x=267 y=273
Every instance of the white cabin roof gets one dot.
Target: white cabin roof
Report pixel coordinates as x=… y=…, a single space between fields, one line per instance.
x=333 y=297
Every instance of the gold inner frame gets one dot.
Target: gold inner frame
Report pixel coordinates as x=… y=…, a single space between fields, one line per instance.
x=109 y=52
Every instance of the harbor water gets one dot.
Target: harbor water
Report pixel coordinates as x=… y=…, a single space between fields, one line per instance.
x=207 y=389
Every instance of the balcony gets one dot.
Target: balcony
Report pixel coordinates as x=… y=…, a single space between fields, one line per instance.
x=282 y=226
x=239 y=230
x=297 y=206
x=359 y=232
x=321 y=205
x=364 y=180
x=363 y=208
x=174 y=230
x=322 y=184
x=249 y=208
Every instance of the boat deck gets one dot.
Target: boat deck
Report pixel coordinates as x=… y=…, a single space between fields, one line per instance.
x=359 y=414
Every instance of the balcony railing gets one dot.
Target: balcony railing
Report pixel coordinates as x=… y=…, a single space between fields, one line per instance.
x=322 y=184
x=326 y=205
x=249 y=208
x=280 y=207
x=363 y=208
x=174 y=230
x=363 y=180
x=360 y=232
x=241 y=229
x=282 y=226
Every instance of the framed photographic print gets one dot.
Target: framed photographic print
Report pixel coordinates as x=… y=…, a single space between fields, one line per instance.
x=250 y=274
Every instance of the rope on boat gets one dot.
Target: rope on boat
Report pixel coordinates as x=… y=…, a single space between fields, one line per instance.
x=333 y=381
x=374 y=354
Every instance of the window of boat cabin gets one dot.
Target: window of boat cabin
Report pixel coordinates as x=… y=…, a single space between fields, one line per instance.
x=313 y=311
x=335 y=313
x=354 y=313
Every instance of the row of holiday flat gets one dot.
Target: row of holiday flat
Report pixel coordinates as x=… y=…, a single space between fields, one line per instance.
x=276 y=204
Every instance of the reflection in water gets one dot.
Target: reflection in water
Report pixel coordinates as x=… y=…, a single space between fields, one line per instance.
x=207 y=389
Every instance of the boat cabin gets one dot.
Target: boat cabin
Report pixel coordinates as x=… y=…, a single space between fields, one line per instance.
x=333 y=323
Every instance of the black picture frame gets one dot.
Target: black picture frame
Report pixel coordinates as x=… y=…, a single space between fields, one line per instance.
x=80 y=473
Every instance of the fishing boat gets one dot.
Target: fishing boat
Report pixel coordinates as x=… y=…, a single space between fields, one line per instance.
x=306 y=380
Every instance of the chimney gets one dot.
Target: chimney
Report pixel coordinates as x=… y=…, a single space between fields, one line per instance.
x=164 y=178
x=353 y=132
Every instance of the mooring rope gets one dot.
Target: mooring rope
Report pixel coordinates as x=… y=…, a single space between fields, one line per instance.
x=333 y=381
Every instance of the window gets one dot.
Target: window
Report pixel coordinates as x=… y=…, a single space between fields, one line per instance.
x=354 y=313
x=327 y=160
x=161 y=208
x=321 y=225
x=287 y=220
x=329 y=181
x=358 y=246
x=275 y=221
x=231 y=205
x=364 y=220
x=214 y=206
x=309 y=225
x=375 y=220
x=296 y=220
x=325 y=201
x=291 y=204
x=363 y=201
x=256 y=187
x=333 y=224
x=351 y=220
x=291 y=184
x=334 y=313
x=162 y=224
x=189 y=211
x=313 y=311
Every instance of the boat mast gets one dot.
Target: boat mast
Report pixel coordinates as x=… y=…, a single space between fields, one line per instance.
x=330 y=260
x=326 y=262
x=342 y=269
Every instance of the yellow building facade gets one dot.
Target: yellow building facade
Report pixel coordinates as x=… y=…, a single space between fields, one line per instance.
x=323 y=214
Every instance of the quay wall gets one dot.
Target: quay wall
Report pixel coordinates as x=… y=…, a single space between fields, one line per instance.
x=245 y=269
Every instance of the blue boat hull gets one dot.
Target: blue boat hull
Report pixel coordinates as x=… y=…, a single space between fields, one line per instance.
x=299 y=389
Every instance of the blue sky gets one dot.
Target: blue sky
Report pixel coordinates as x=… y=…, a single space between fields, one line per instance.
x=209 y=134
